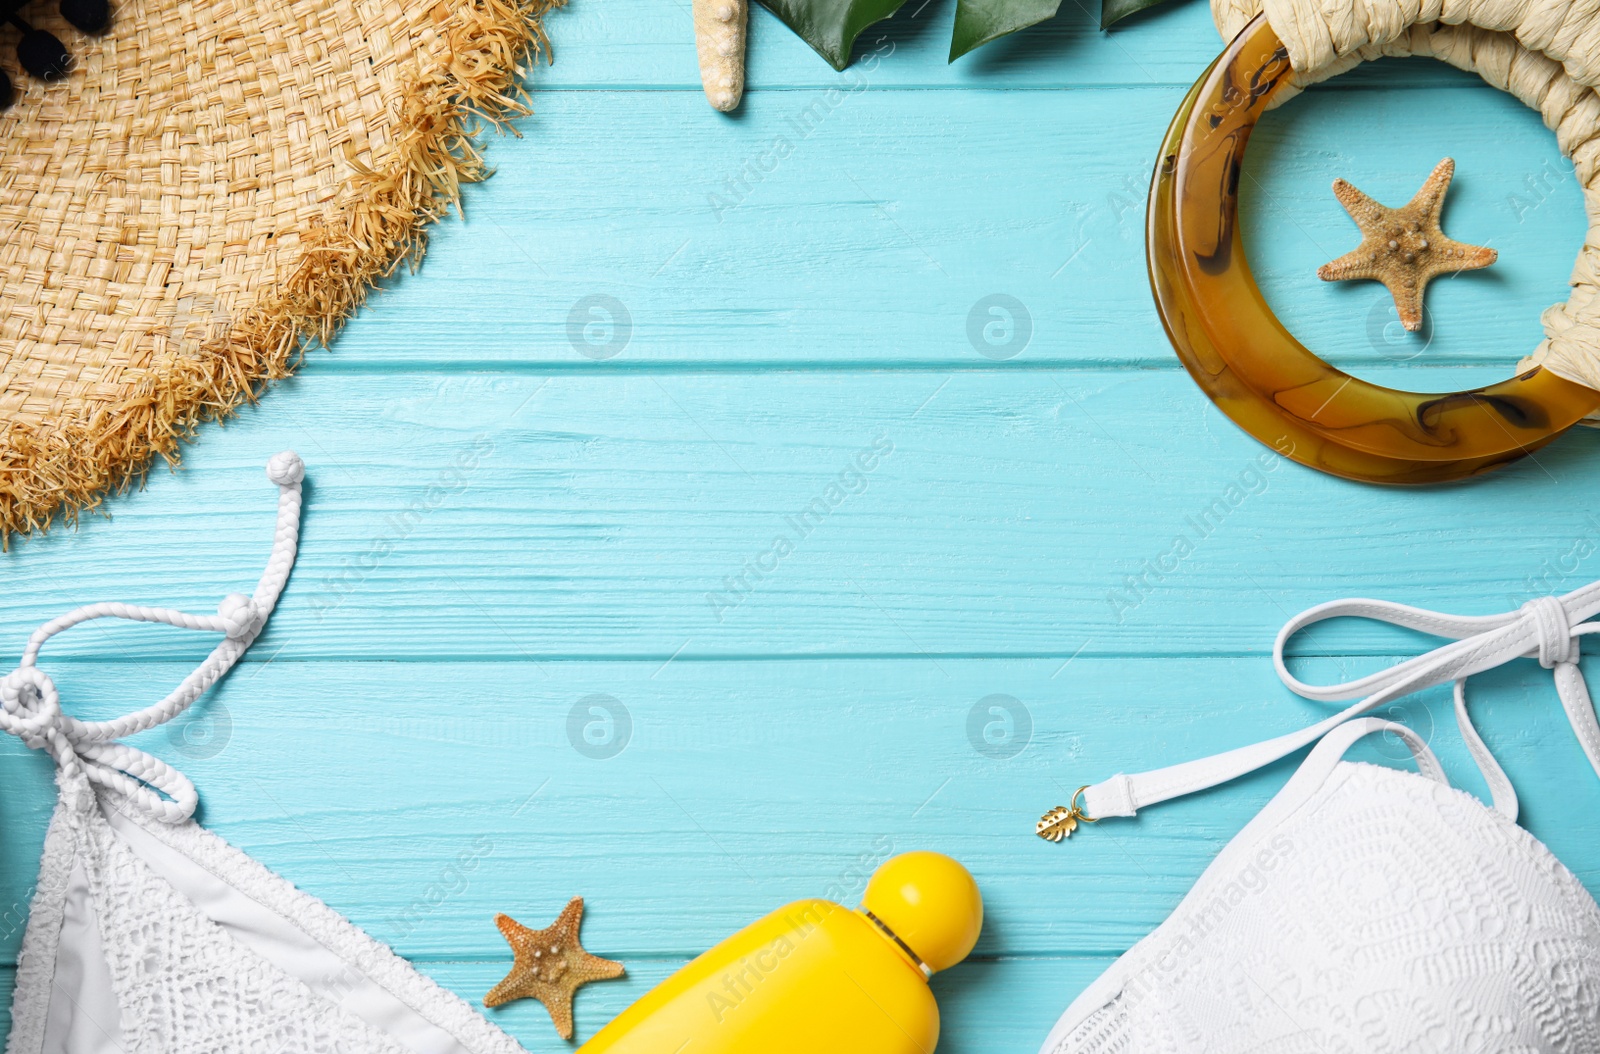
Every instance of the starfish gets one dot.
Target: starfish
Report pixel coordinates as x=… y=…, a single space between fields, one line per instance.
x=1404 y=248
x=719 y=32
x=549 y=965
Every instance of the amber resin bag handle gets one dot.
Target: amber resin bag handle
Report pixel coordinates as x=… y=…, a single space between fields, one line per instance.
x=1269 y=383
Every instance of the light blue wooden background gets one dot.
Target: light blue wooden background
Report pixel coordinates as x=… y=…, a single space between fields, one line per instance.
x=414 y=688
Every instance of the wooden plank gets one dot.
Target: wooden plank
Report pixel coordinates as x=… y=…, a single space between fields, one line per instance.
x=421 y=799
x=642 y=44
x=871 y=229
x=1020 y=512
x=500 y=536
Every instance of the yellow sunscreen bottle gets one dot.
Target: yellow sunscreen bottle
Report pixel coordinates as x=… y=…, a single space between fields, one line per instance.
x=815 y=976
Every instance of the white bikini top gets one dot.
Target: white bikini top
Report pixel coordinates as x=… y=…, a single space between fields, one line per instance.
x=1368 y=909
x=147 y=934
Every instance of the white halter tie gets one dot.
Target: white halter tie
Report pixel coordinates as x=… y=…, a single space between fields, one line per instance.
x=30 y=706
x=1547 y=629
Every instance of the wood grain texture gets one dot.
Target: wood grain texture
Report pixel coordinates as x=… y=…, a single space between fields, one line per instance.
x=1020 y=512
x=864 y=228
x=507 y=523
x=421 y=800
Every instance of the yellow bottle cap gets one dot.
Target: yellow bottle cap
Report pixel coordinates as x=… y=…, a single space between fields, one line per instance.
x=931 y=903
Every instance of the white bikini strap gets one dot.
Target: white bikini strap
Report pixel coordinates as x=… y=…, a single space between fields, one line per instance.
x=1336 y=744
x=30 y=706
x=1547 y=628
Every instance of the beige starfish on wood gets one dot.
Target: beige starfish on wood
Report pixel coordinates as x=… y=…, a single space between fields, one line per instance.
x=1404 y=248
x=719 y=32
x=549 y=965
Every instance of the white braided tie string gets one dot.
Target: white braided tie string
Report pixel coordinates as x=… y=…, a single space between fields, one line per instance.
x=1547 y=629
x=30 y=705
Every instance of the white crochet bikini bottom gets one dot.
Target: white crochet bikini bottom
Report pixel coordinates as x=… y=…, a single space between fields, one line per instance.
x=1368 y=910
x=150 y=935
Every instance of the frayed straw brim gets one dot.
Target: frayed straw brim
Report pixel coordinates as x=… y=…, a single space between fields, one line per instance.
x=213 y=187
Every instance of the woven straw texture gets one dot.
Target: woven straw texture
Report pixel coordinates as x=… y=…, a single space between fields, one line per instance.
x=215 y=185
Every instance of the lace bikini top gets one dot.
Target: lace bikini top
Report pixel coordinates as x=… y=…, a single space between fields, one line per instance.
x=1368 y=909
x=147 y=934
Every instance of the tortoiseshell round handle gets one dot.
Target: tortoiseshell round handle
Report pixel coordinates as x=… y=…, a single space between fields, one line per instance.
x=1270 y=384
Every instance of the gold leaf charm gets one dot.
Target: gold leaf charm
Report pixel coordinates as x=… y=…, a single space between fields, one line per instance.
x=1061 y=821
x=1057 y=824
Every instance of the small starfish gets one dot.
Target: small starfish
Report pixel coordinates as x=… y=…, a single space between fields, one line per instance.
x=1404 y=248
x=549 y=965
x=719 y=35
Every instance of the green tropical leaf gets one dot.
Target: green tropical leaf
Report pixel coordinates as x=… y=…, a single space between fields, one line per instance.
x=1113 y=11
x=980 y=21
x=831 y=26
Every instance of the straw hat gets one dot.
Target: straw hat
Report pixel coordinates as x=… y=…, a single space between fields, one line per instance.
x=214 y=184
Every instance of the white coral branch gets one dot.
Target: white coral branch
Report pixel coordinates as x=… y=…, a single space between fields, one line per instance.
x=719 y=32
